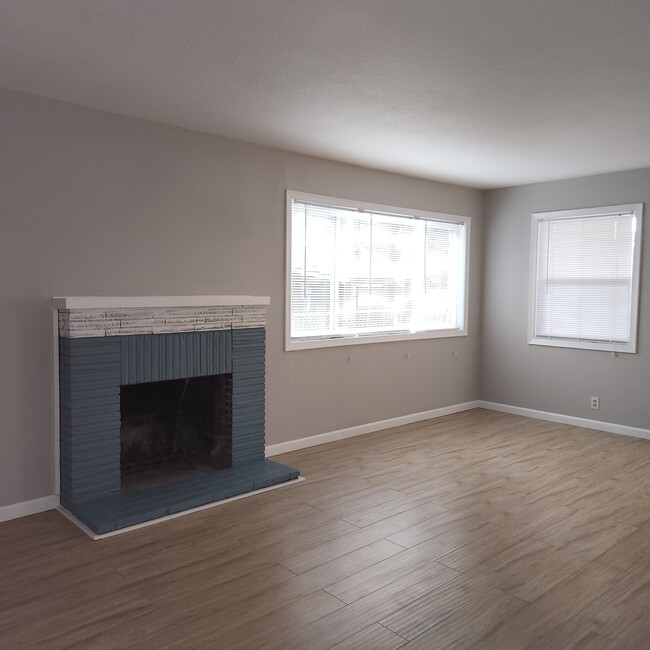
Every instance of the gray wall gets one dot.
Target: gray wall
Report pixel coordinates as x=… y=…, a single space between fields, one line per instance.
x=97 y=204
x=557 y=379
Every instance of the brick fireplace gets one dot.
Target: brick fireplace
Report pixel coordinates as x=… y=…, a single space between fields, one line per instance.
x=161 y=403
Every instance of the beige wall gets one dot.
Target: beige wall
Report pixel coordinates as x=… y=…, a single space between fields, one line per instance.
x=96 y=204
x=558 y=380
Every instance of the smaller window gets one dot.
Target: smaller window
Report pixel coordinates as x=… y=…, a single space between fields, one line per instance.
x=584 y=281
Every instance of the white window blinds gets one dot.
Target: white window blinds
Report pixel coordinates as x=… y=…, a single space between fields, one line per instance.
x=585 y=277
x=357 y=272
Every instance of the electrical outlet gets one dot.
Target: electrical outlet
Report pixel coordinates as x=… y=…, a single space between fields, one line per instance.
x=595 y=403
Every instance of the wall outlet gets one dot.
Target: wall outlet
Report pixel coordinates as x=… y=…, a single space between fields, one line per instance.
x=595 y=403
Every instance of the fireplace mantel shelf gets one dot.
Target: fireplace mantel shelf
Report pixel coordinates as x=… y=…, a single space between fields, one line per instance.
x=121 y=302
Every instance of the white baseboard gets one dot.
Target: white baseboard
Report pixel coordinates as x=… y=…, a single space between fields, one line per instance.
x=16 y=510
x=609 y=427
x=25 y=508
x=51 y=502
x=351 y=432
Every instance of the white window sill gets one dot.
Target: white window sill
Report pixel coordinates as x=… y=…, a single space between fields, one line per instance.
x=307 y=344
x=584 y=345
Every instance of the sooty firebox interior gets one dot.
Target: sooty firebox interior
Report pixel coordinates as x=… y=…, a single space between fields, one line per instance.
x=171 y=428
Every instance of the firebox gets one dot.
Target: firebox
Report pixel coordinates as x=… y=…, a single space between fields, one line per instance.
x=169 y=429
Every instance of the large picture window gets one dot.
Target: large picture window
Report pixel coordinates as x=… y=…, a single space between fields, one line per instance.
x=585 y=278
x=362 y=273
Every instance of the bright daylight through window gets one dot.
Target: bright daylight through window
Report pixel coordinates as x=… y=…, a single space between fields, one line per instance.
x=365 y=273
x=584 y=277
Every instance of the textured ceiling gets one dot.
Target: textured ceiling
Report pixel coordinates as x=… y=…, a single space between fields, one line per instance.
x=485 y=93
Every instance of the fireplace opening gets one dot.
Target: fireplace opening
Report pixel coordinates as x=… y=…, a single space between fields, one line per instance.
x=172 y=428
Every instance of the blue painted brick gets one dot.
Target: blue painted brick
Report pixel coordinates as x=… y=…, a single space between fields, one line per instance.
x=182 y=502
x=158 y=357
x=292 y=472
x=135 y=506
x=92 y=371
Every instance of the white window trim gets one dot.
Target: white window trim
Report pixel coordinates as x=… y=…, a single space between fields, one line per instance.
x=631 y=346
x=306 y=343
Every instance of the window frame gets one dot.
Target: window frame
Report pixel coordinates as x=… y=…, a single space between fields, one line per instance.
x=335 y=341
x=576 y=343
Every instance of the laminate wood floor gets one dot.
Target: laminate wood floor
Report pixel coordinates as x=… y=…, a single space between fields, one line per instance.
x=476 y=530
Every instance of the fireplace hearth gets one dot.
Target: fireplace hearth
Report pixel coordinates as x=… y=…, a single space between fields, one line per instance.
x=161 y=406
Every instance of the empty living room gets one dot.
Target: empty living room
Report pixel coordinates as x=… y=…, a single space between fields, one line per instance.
x=325 y=324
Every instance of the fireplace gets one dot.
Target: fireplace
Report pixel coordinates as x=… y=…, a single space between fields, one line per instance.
x=161 y=406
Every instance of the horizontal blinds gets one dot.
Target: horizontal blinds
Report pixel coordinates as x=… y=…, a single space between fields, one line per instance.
x=357 y=273
x=584 y=278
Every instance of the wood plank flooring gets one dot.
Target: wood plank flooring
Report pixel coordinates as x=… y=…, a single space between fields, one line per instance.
x=476 y=530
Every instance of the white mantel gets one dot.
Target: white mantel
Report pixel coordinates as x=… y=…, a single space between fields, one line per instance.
x=99 y=316
x=124 y=302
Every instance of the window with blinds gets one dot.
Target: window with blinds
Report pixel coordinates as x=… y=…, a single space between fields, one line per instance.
x=585 y=278
x=364 y=273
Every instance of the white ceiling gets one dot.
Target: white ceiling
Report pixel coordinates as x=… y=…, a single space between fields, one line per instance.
x=485 y=93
